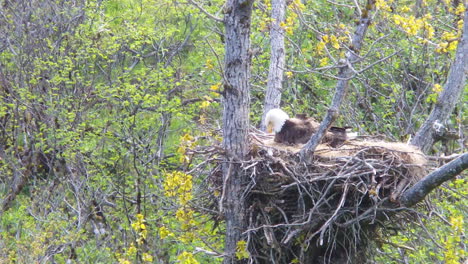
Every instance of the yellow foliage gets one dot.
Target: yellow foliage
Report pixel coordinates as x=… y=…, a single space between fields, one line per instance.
x=202 y=119
x=187 y=237
x=124 y=261
x=427 y=17
x=140 y=227
x=383 y=5
x=325 y=38
x=437 y=88
x=263 y=26
x=178 y=184
x=429 y=30
x=452 y=45
x=405 y=9
x=209 y=64
x=453 y=252
x=147 y=257
x=185 y=216
x=290 y=22
x=323 y=62
x=132 y=250
x=289 y=28
x=283 y=24
x=241 y=250
x=412 y=26
x=460 y=9
x=186 y=258
x=186 y=141
x=449 y=36
x=320 y=47
x=140 y=217
x=334 y=42
x=164 y=232
x=409 y=24
x=298 y=5
x=442 y=48
x=215 y=87
x=205 y=104
x=460 y=25
x=186 y=137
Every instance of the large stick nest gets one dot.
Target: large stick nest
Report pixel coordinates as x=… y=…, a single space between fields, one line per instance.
x=325 y=210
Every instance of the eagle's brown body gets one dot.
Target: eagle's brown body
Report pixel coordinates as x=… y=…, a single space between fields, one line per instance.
x=296 y=130
x=299 y=130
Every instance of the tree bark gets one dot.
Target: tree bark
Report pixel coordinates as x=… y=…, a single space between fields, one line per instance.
x=277 y=58
x=430 y=130
x=417 y=192
x=236 y=104
x=345 y=73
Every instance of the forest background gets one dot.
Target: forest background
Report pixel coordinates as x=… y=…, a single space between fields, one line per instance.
x=101 y=101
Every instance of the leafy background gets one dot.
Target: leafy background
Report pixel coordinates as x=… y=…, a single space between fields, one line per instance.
x=102 y=99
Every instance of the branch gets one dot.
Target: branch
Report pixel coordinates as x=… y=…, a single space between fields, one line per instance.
x=208 y=14
x=417 y=192
x=379 y=61
x=180 y=47
x=430 y=130
x=344 y=74
x=277 y=59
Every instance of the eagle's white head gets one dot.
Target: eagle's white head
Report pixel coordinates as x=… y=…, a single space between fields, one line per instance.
x=275 y=119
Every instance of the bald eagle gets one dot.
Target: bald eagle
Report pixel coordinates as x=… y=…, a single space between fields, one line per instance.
x=300 y=129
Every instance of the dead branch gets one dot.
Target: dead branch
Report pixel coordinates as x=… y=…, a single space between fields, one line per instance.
x=208 y=14
x=341 y=86
x=431 y=130
x=417 y=192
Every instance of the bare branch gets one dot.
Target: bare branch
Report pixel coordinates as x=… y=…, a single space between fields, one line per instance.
x=340 y=4
x=416 y=193
x=277 y=59
x=379 y=61
x=208 y=14
x=358 y=8
x=430 y=130
x=342 y=84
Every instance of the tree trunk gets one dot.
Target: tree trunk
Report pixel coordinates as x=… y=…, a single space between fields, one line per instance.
x=276 y=70
x=344 y=75
x=235 y=119
x=432 y=129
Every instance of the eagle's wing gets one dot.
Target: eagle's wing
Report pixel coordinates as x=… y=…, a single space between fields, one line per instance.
x=295 y=131
x=300 y=130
